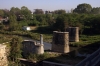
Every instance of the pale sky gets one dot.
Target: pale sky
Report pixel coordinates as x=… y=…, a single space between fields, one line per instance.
x=47 y=4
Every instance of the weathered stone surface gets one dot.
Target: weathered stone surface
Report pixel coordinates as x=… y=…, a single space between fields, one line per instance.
x=30 y=46
x=73 y=34
x=39 y=49
x=60 y=42
x=3 y=55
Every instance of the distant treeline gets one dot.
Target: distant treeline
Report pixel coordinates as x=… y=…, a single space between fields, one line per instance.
x=83 y=16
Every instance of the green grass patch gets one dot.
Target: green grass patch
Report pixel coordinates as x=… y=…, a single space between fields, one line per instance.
x=86 y=40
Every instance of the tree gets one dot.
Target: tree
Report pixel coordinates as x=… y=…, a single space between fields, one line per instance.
x=59 y=11
x=95 y=10
x=15 y=11
x=1 y=26
x=26 y=13
x=13 y=25
x=61 y=23
x=83 y=8
x=15 y=51
x=47 y=12
x=95 y=24
x=50 y=19
x=41 y=18
x=6 y=12
x=1 y=13
x=39 y=11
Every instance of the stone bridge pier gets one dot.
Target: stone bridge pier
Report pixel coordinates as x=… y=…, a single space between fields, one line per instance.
x=60 y=42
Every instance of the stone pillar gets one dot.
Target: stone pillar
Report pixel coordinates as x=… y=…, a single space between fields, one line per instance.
x=3 y=55
x=54 y=38
x=40 y=46
x=73 y=34
x=60 y=42
x=66 y=42
x=41 y=39
x=39 y=49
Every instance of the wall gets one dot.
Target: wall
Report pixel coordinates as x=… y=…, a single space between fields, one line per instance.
x=3 y=55
x=30 y=46
x=60 y=42
x=73 y=34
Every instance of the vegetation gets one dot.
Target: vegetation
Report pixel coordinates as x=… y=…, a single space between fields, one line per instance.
x=86 y=40
x=15 y=50
x=36 y=57
x=83 y=8
x=83 y=16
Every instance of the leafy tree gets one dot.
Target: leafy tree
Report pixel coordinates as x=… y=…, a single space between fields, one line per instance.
x=39 y=11
x=47 y=12
x=15 y=51
x=23 y=23
x=61 y=23
x=15 y=11
x=41 y=18
x=6 y=12
x=95 y=24
x=26 y=12
x=83 y=8
x=1 y=26
x=35 y=23
x=95 y=10
x=1 y=13
x=50 y=19
x=91 y=24
x=59 y=11
x=13 y=25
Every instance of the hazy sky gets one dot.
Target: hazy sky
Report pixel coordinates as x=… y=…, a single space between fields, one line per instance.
x=47 y=4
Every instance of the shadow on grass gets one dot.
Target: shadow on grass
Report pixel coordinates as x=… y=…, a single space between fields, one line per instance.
x=44 y=30
x=71 y=58
x=90 y=48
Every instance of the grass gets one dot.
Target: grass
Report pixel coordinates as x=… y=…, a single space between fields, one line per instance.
x=4 y=38
x=86 y=40
x=40 y=57
x=33 y=35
